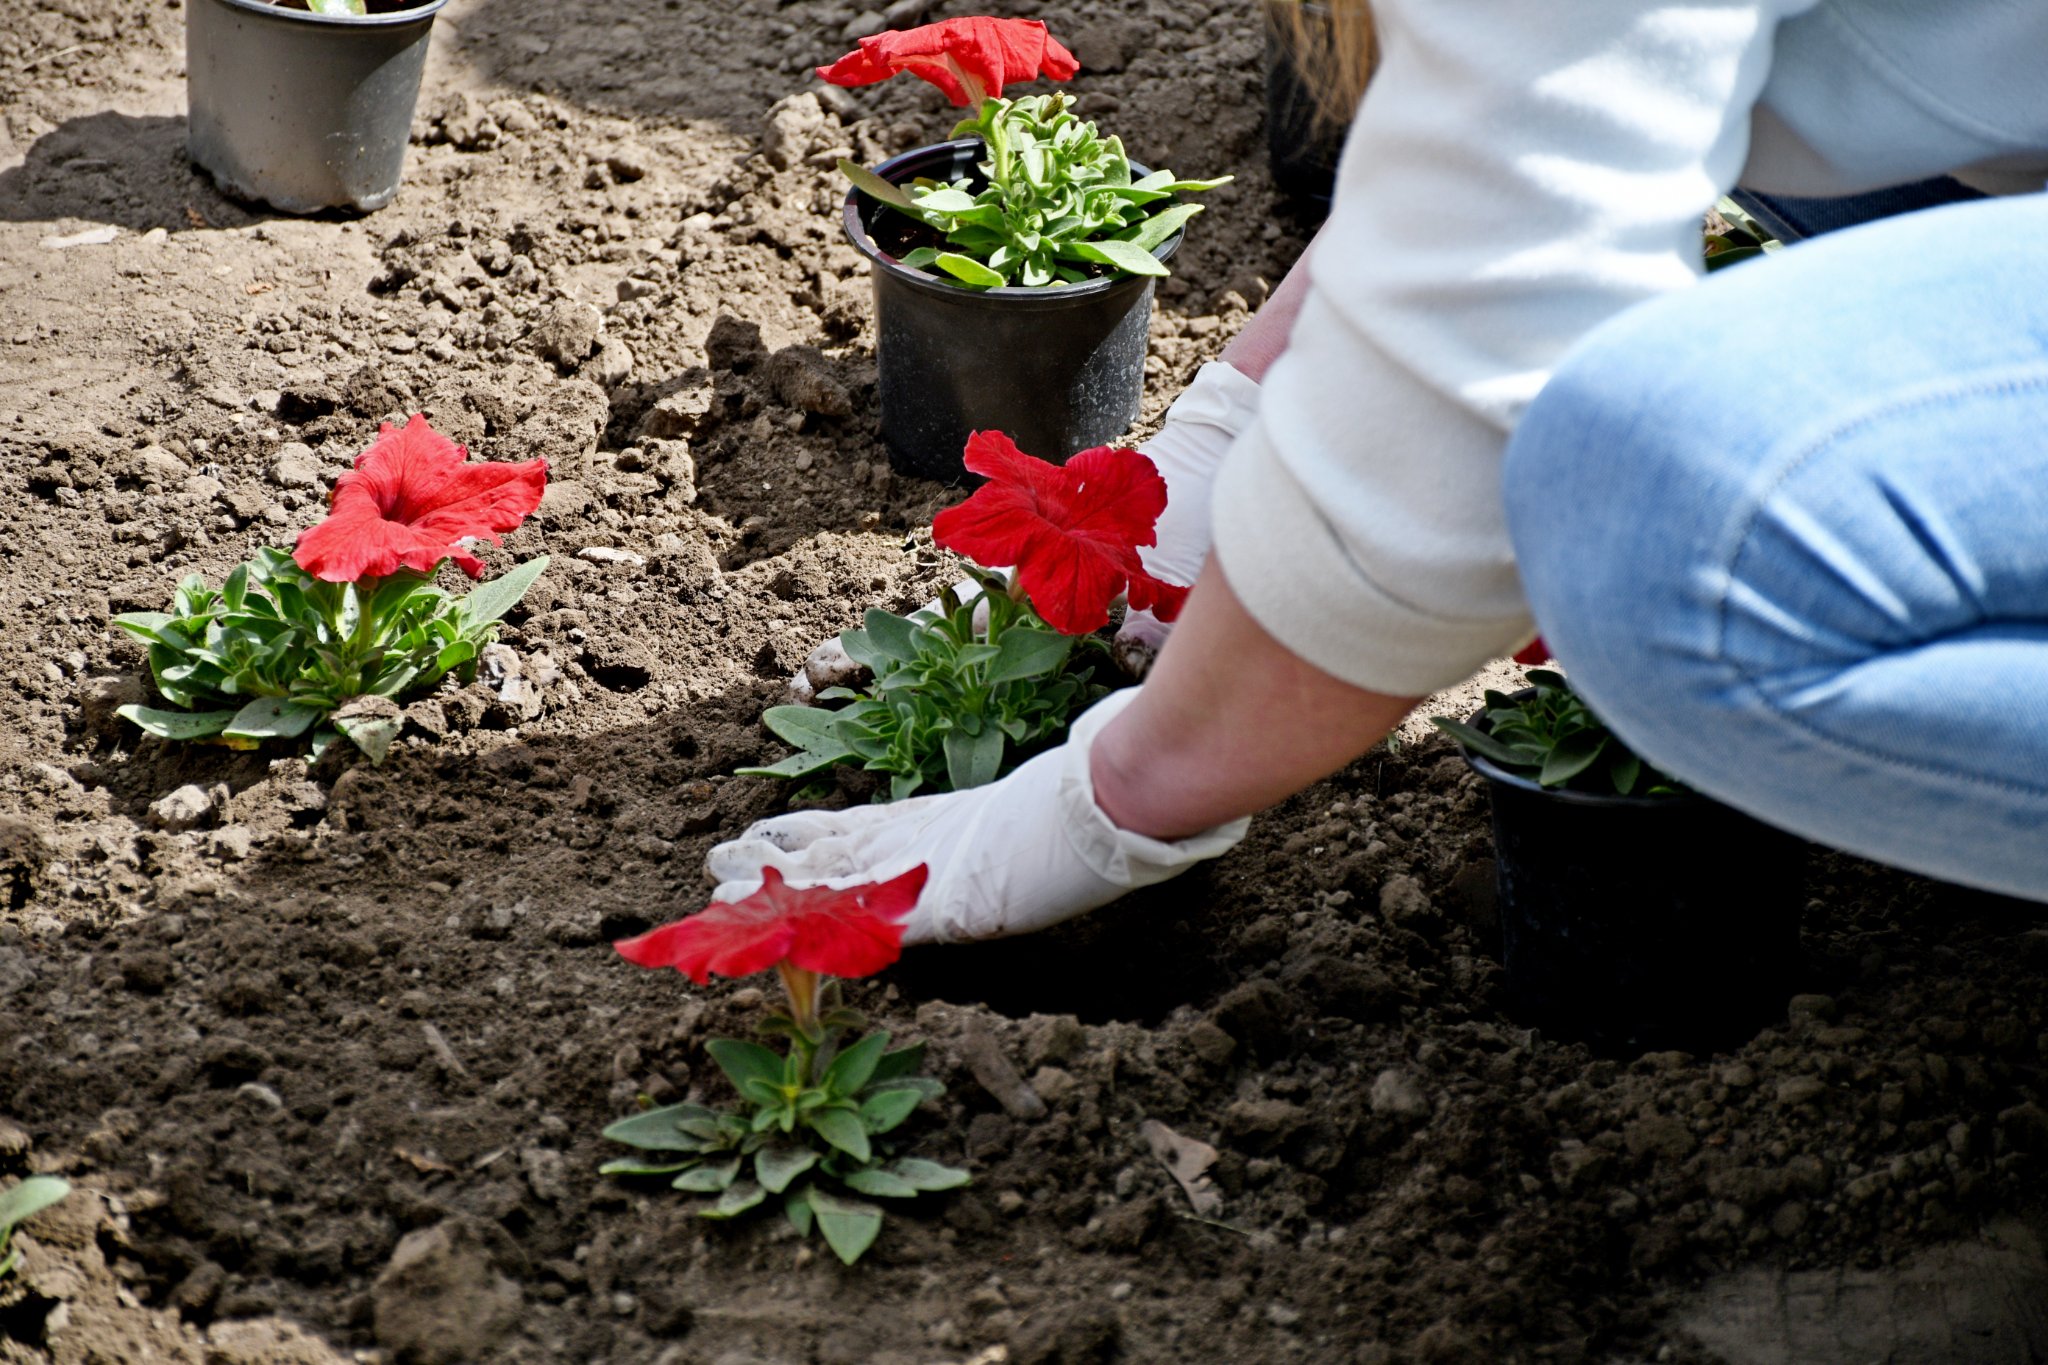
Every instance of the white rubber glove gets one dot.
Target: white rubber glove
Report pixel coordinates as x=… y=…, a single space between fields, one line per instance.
x=1019 y=854
x=829 y=665
x=1200 y=427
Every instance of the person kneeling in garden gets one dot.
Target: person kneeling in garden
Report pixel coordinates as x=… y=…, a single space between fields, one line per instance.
x=1784 y=528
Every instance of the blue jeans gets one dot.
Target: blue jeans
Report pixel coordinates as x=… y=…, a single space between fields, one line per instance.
x=1788 y=532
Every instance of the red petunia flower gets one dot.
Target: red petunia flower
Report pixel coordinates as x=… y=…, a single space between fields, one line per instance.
x=1533 y=654
x=970 y=59
x=411 y=502
x=854 y=932
x=1073 y=531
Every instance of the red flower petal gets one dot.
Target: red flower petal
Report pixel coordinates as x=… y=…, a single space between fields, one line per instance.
x=411 y=501
x=1072 y=532
x=958 y=55
x=1534 y=654
x=847 y=933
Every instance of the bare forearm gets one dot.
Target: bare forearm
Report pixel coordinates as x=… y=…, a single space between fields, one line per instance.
x=1254 y=349
x=1229 y=722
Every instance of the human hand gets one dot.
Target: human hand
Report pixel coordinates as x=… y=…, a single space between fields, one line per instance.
x=1200 y=427
x=1017 y=855
x=829 y=665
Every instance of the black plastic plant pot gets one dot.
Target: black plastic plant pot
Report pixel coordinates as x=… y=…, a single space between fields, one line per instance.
x=304 y=111
x=1638 y=923
x=1058 y=369
x=1301 y=148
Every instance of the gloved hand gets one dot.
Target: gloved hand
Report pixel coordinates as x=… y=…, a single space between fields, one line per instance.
x=829 y=665
x=1200 y=426
x=1008 y=858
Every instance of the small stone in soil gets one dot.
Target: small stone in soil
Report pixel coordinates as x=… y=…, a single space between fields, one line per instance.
x=1396 y=1092
x=1798 y=1090
x=440 y=1300
x=296 y=466
x=182 y=809
x=988 y=1064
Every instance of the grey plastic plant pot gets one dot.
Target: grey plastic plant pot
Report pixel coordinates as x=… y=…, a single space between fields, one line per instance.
x=1057 y=369
x=303 y=111
x=1635 y=923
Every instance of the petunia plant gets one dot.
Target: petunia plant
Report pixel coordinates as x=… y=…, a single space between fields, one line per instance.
x=817 y=1125
x=326 y=638
x=1547 y=734
x=959 y=694
x=1054 y=203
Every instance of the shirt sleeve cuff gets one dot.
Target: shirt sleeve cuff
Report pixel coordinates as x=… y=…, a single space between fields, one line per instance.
x=1289 y=567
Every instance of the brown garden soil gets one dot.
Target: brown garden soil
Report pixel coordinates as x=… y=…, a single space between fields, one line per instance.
x=276 y=1025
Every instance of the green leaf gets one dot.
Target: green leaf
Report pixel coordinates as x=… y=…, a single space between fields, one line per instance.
x=272 y=718
x=1572 y=756
x=886 y=1110
x=795 y=766
x=1481 y=743
x=853 y=1068
x=924 y=1086
x=633 y=1165
x=656 y=1130
x=709 y=1178
x=743 y=1061
x=1626 y=770
x=849 y=1226
x=1124 y=256
x=894 y=635
x=920 y=258
x=1153 y=232
x=843 y=1130
x=928 y=1175
x=967 y=270
x=775 y=1166
x=144 y=625
x=488 y=602
x=901 y=1062
x=808 y=727
x=947 y=201
x=741 y=1196
x=34 y=1194
x=372 y=734
x=973 y=760
x=323 y=737
x=342 y=7
x=454 y=655
x=176 y=724
x=872 y=185
x=796 y=1206
x=1028 y=653
x=880 y=1183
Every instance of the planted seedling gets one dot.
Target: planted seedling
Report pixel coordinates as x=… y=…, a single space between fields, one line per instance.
x=326 y=638
x=816 y=1129
x=961 y=693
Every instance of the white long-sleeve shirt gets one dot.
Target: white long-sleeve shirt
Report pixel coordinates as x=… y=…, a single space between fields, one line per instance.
x=1519 y=172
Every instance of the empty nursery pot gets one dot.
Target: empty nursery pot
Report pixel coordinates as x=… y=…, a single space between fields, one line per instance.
x=1059 y=368
x=1635 y=923
x=304 y=111
x=1301 y=148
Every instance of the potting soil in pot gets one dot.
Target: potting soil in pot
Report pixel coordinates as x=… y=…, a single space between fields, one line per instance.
x=326 y=1049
